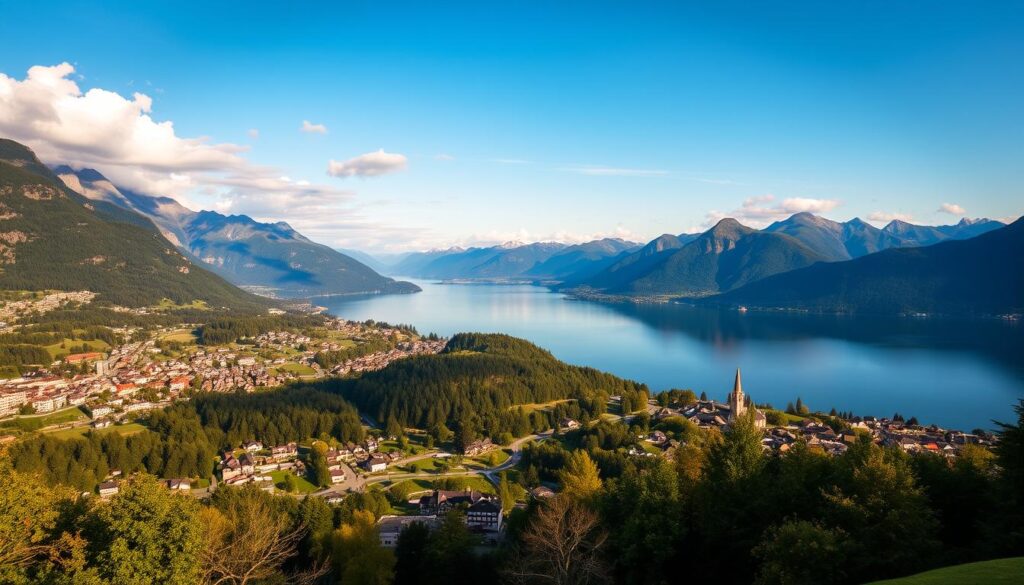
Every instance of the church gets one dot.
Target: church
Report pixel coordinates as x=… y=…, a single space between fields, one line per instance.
x=739 y=403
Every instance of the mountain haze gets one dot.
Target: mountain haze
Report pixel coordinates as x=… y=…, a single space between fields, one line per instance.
x=271 y=256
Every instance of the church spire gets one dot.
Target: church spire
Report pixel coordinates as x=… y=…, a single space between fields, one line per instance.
x=737 y=386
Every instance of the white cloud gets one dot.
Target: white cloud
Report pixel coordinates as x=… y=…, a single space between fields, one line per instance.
x=952 y=209
x=48 y=110
x=254 y=133
x=118 y=136
x=615 y=172
x=886 y=217
x=761 y=210
x=371 y=164
x=310 y=128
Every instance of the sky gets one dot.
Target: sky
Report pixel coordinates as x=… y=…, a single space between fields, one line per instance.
x=398 y=126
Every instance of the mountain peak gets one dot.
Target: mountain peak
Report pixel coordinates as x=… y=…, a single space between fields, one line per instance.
x=728 y=228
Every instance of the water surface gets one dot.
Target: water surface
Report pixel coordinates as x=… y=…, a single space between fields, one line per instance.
x=956 y=373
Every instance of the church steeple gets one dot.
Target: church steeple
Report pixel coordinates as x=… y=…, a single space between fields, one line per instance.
x=737 y=404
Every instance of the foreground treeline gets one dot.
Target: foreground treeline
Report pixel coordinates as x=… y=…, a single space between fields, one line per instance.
x=183 y=440
x=477 y=385
x=147 y=534
x=723 y=511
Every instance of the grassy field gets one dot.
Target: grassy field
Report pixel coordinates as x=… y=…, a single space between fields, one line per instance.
x=180 y=336
x=492 y=459
x=168 y=305
x=297 y=369
x=55 y=350
x=995 y=572
x=303 y=485
x=33 y=423
x=534 y=406
x=77 y=432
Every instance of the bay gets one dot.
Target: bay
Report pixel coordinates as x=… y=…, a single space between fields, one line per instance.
x=954 y=373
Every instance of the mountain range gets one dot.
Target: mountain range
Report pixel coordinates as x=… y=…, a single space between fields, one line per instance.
x=54 y=238
x=268 y=257
x=512 y=260
x=980 y=275
x=731 y=255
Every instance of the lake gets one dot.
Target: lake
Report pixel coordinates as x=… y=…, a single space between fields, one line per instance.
x=954 y=373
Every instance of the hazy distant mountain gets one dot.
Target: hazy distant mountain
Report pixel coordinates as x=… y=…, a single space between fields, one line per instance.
x=725 y=257
x=835 y=240
x=582 y=260
x=242 y=250
x=981 y=275
x=382 y=263
x=510 y=260
x=632 y=266
x=55 y=238
x=923 y=235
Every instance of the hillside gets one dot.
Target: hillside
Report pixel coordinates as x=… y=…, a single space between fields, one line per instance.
x=997 y=572
x=725 y=257
x=981 y=275
x=478 y=380
x=54 y=238
x=582 y=260
x=271 y=256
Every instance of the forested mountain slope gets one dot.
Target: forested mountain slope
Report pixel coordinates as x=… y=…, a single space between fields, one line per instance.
x=244 y=251
x=476 y=383
x=982 y=275
x=54 y=238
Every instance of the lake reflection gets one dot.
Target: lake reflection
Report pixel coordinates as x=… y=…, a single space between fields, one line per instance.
x=952 y=372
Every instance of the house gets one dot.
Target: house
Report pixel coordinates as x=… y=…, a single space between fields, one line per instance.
x=541 y=492
x=252 y=446
x=180 y=383
x=390 y=527
x=441 y=501
x=288 y=451
x=108 y=488
x=375 y=464
x=657 y=437
x=99 y=411
x=484 y=514
x=568 y=423
x=337 y=476
x=247 y=361
x=479 y=446
x=179 y=484
x=248 y=466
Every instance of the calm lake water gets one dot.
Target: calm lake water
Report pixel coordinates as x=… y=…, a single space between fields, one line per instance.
x=955 y=373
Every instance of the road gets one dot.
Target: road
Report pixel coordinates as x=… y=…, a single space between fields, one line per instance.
x=358 y=483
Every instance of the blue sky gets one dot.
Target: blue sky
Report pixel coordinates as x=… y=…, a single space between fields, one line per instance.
x=527 y=121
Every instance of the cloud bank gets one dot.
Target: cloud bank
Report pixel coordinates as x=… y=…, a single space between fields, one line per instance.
x=952 y=209
x=371 y=164
x=761 y=210
x=119 y=136
x=310 y=128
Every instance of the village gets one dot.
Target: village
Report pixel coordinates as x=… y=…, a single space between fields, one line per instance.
x=143 y=375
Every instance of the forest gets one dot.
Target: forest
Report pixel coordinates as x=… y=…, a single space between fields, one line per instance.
x=183 y=440
x=747 y=515
x=479 y=384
